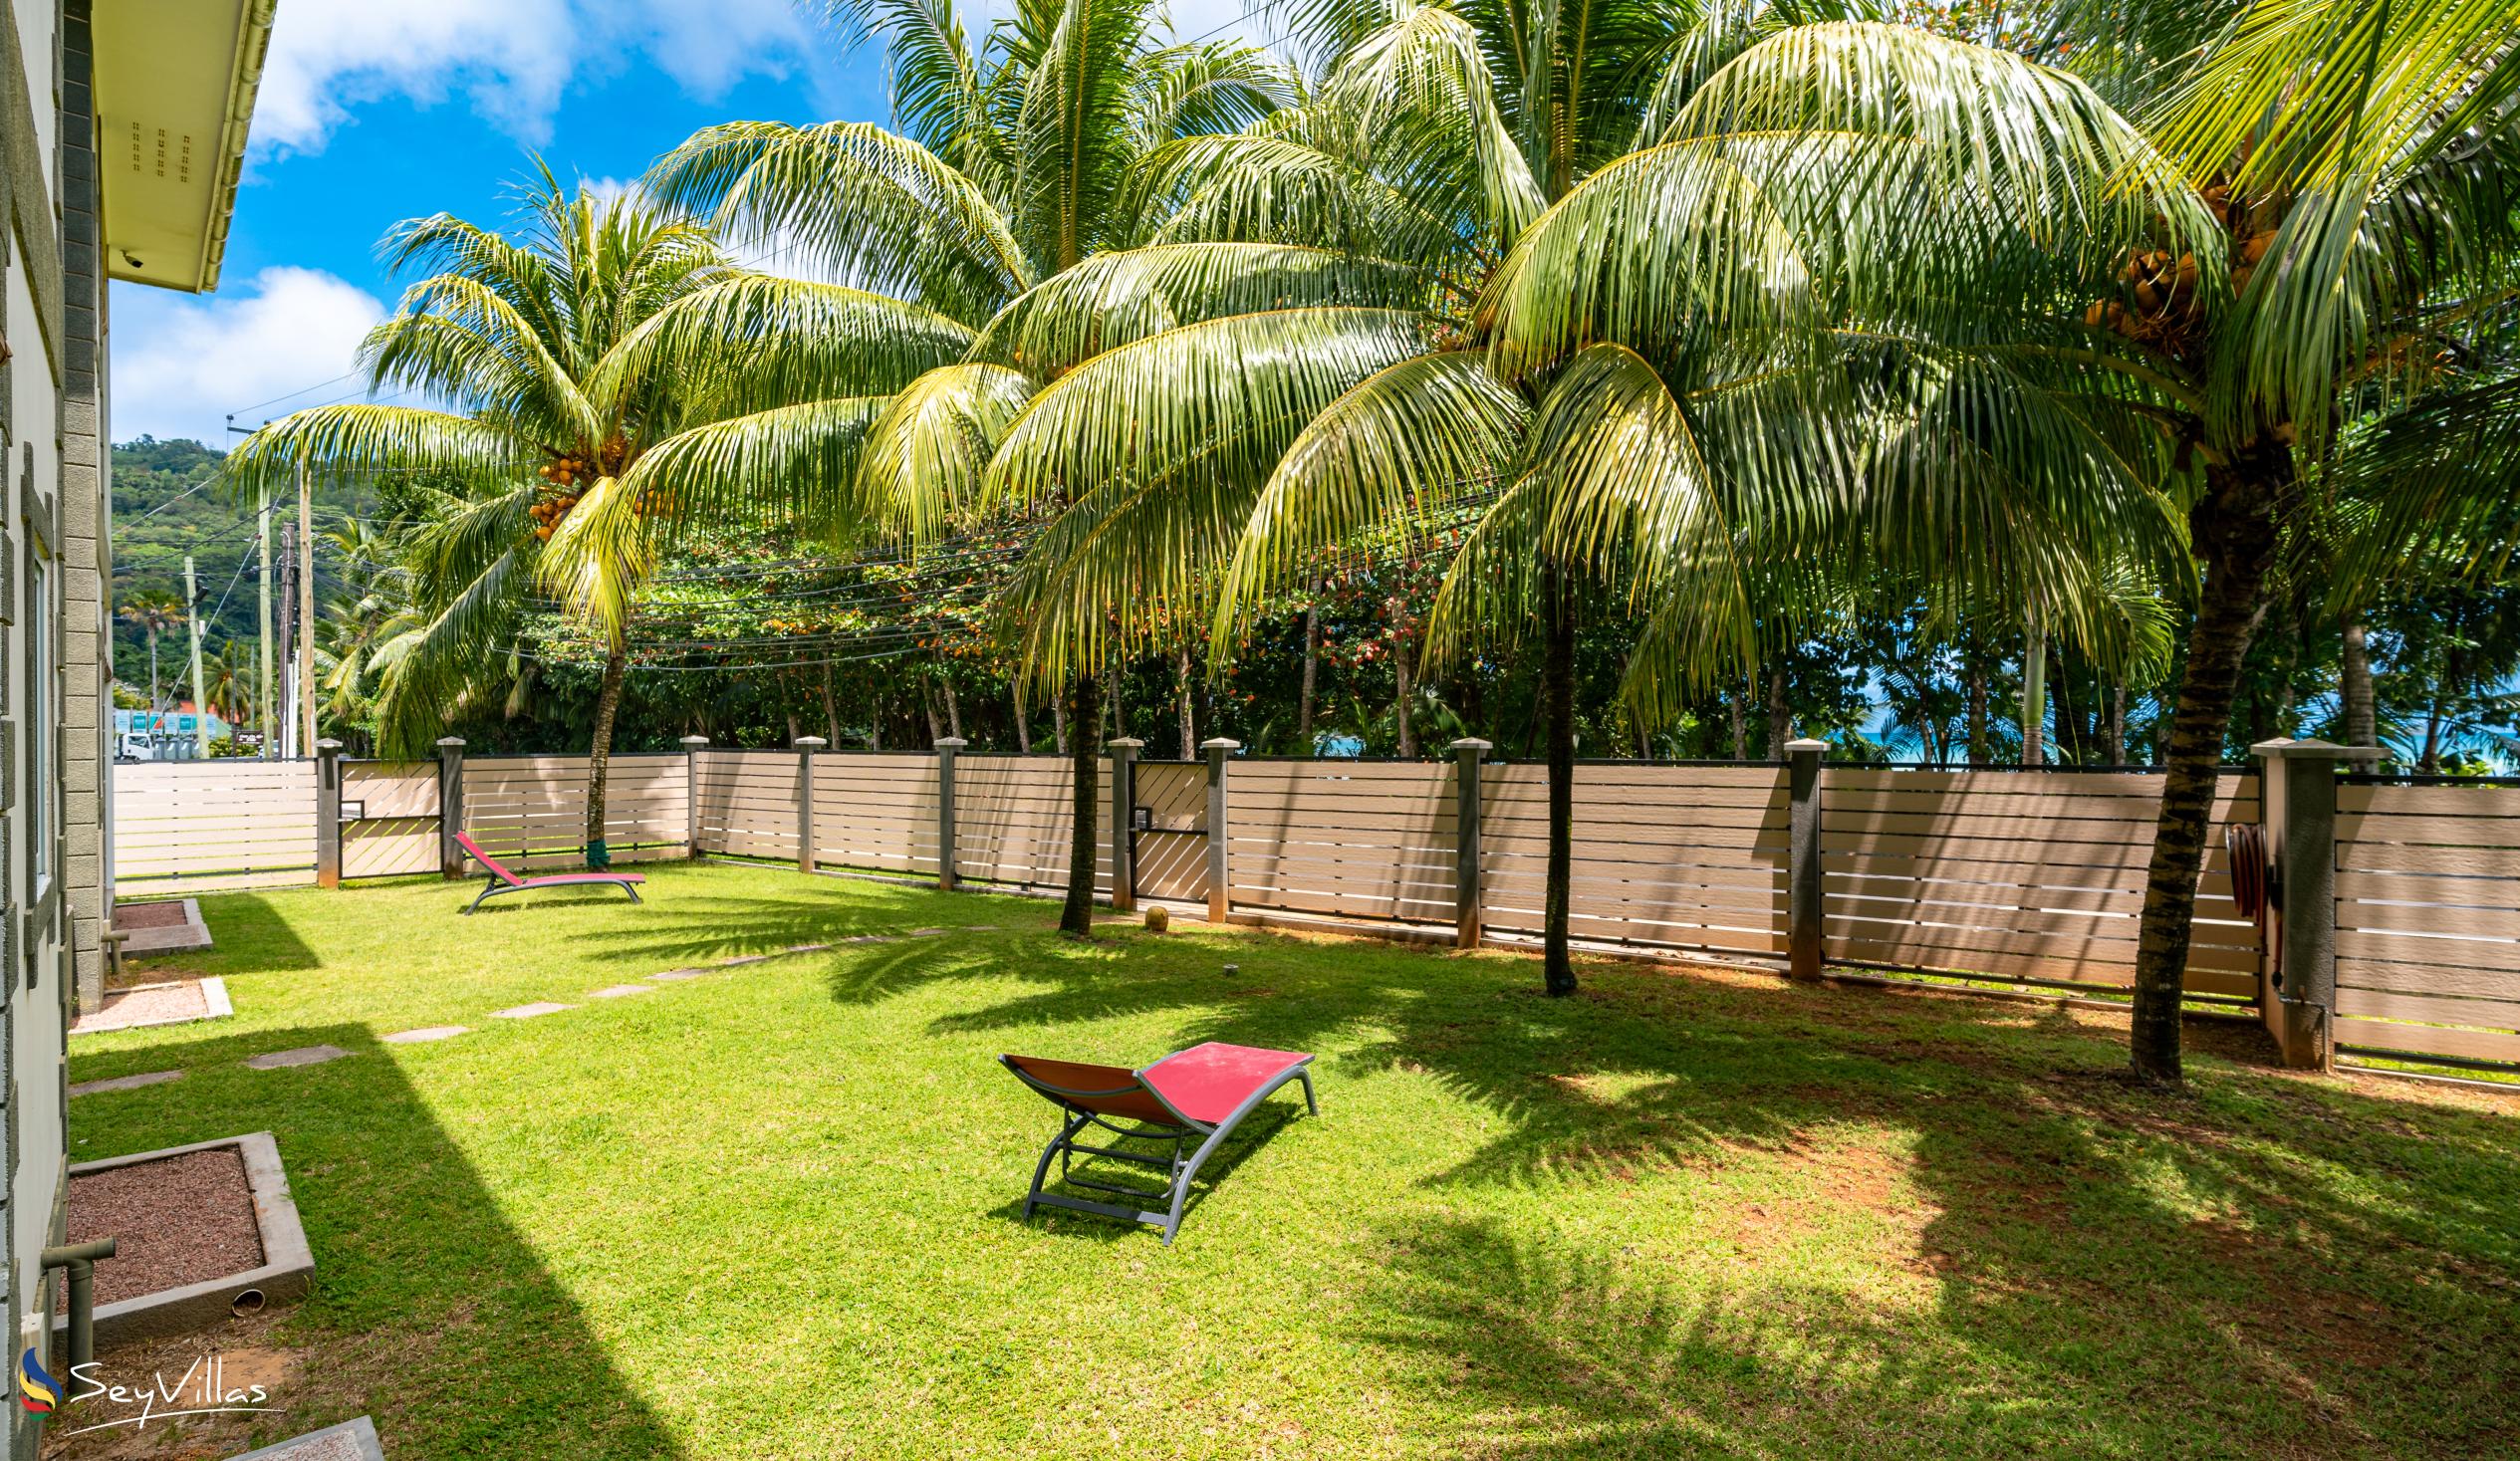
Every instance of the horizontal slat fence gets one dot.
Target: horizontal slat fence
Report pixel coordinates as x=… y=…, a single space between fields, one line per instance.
x=1362 y=839
x=1664 y=856
x=2017 y=875
x=1171 y=857
x=747 y=801
x=209 y=825
x=388 y=818
x=2427 y=922
x=1015 y=817
x=875 y=811
x=533 y=808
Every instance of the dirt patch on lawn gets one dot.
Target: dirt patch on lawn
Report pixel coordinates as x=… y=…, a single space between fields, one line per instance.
x=231 y=1363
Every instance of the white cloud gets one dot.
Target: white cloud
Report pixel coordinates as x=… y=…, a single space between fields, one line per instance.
x=181 y=362
x=708 y=47
x=512 y=58
x=1193 y=20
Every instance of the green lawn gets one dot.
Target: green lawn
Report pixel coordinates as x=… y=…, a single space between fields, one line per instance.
x=771 y=1213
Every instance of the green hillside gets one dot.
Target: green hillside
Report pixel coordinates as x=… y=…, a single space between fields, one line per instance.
x=165 y=505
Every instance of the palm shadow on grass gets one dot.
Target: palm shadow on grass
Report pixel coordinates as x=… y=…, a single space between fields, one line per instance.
x=430 y=1311
x=685 y=926
x=2269 y=1265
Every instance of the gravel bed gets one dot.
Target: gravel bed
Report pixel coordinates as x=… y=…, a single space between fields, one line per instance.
x=181 y=1220
x=148 y=915
x=145 y=1004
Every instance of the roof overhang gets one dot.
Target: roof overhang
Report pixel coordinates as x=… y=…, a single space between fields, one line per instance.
x=175 y=97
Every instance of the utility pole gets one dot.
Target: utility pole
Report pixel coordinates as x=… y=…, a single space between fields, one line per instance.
x=262 y=651
x=192 y=621
x=306 y=610
x=284 y=709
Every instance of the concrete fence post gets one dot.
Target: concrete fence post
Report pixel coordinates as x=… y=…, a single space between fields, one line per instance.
x=328 y=813
x=1802 y=885
x=450 y=806
x=948 y=748
x=1220 y=891
x=2297 y=960
x=1470 y=908
x=806 y=746
x=692 y=746
x=1124 y=821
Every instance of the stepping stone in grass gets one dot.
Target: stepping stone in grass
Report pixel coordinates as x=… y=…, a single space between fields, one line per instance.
x=126 y=1082
x=673 y=974
x=926 y=932
x=351 y=1440
x=743 y=959
x=528 y=1011
x=305 y=1054
x=807 y=949
x=869 y=939
x=427 y=1034
x=615 y=990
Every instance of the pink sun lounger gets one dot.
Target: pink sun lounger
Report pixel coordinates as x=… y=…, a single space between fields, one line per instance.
x=503 y=881
x=1203 y=1091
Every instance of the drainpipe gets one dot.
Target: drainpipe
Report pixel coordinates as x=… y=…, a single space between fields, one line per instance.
x=81 y=1260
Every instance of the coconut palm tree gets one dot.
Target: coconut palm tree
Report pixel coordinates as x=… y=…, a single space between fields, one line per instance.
x=1439 y=136
x=1433 y=137
x=228 y=683
x=608 y=380
x=153 y=614
x=2276 y=238
x=1032 y=193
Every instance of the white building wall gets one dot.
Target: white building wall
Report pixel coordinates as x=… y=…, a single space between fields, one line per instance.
x=39 y=644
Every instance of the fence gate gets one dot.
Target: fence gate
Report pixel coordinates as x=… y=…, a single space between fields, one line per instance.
x=389 y=817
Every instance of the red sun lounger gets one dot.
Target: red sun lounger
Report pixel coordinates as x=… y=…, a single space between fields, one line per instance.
x=503 y=881
x=1203 y=1091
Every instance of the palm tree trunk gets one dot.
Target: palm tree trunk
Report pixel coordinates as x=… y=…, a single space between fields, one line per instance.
x=2362 y=711
x=831 y=707
x=1190 y=721
x=1400 y=662
x=953 y=706
x=608 y=700
x=2034 y=695
x=1312 y=665
x=2070 y=739
x=1059 y=722
x=153 y=705
x=1978 y=748
x=2118 y=723
x=1023 y=723
x=1740 y=726
x=1085 y=707
x=1557 y=701
x=2234 y=531
x=1780 y=715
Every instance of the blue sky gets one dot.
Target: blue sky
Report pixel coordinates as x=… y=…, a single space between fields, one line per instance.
x=384 y=109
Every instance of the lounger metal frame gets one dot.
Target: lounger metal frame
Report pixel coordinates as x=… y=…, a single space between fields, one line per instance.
x=1176 y=1191
x=546 y=885
x=503 y=881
